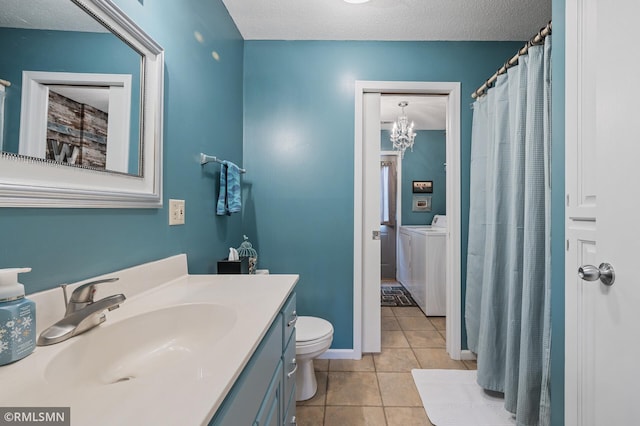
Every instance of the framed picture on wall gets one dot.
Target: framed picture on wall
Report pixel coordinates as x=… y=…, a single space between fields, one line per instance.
x=421 y=203
x=422 y=186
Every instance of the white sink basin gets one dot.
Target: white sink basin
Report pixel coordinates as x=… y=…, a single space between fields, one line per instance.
x=139 y=346
x=169 y=355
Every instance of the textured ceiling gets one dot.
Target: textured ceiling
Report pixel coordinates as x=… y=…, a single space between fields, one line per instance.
x=426 y=112
x=486 y=20
x=47 y=15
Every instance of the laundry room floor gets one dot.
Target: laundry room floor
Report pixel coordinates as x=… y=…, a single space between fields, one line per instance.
x=378 y=390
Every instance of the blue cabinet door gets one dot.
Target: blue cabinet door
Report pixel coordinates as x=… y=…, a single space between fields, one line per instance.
x=270 y=412
x=240 y=407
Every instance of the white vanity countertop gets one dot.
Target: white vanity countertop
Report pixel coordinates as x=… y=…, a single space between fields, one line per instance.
x=188 y=391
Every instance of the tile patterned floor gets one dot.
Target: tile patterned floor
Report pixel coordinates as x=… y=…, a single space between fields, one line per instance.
x=379 y=388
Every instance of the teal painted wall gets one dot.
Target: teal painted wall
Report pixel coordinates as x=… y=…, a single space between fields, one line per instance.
x=557 y=214
x=298 y=148
x=203 y=112
x=426 y=162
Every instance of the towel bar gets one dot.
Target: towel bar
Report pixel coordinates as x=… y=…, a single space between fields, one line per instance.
x=204 y=159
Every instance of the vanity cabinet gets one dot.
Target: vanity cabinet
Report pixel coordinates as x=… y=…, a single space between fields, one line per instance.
x=289 y=361
x=264 y=393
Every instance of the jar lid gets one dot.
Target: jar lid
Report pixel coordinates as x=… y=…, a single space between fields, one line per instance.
x=246 y=249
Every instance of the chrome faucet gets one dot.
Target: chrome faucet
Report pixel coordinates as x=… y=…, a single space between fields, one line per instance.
x=82 y=313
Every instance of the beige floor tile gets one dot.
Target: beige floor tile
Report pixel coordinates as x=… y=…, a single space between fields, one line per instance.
x=355 y=416
x=471 y=365
x=394 y=339
x=396 y=360
x=407 y=311
x=415 y=323
x=364 y=364
x=437 y=358
x=353 y=388
x=386 y=311
x=321 y=364
x=309 y=416
x=406 y=416
x=424 y=339
x=398 y=390
x=440 y=323
x=320 y=398
x=390 y=323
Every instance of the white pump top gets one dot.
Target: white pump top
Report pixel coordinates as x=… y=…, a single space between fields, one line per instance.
x=10 y=288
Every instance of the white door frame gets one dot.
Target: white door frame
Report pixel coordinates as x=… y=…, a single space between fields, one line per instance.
x=454 y=318
x=580 y=204
x=35 y=105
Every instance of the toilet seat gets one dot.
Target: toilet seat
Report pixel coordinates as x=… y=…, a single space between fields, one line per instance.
x=309 y=330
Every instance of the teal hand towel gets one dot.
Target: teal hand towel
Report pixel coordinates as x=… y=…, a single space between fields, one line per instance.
x=230 y=197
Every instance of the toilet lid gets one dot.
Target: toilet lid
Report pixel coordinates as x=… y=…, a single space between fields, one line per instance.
x=312 y=328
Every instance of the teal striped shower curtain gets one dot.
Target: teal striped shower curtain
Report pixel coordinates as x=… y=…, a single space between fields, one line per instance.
x=508 y=269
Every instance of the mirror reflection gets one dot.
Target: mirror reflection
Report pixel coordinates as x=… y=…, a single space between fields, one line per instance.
x=74 y=93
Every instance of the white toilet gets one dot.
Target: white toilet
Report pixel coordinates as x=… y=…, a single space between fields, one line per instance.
x=313 y=338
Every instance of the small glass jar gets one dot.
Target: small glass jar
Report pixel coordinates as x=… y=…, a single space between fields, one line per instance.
x=247 y=250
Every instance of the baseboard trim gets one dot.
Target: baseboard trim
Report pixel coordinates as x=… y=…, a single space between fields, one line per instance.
x=340 y=354
x=467 y=355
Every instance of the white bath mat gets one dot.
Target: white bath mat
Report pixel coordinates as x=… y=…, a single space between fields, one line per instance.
x=453 y=398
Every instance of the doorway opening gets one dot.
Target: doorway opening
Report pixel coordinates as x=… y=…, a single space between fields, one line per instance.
x=367 y=263
x=412 y=197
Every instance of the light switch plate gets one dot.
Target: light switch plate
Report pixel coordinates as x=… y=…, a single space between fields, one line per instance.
x=176 y=212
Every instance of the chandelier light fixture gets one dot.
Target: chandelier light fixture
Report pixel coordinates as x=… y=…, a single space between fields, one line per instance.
x=402 y=134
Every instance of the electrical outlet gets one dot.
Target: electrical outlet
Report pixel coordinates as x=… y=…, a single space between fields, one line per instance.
x=176 y=212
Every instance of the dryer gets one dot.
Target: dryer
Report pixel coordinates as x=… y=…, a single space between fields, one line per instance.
x=422 y=264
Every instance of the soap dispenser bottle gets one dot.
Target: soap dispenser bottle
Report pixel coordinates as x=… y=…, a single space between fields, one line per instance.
x=17 y=318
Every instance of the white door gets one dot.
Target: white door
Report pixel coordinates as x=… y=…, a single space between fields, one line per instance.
x=371 y=225
x=603 y=148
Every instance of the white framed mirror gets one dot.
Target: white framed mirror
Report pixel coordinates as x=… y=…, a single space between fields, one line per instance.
x=83 y=108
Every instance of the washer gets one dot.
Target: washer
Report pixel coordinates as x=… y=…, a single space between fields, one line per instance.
x=423 y=264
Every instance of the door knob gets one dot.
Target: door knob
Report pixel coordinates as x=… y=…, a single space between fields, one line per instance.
x=604 y=272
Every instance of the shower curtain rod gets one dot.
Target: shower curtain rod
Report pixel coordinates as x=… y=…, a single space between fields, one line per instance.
x=535 y=40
